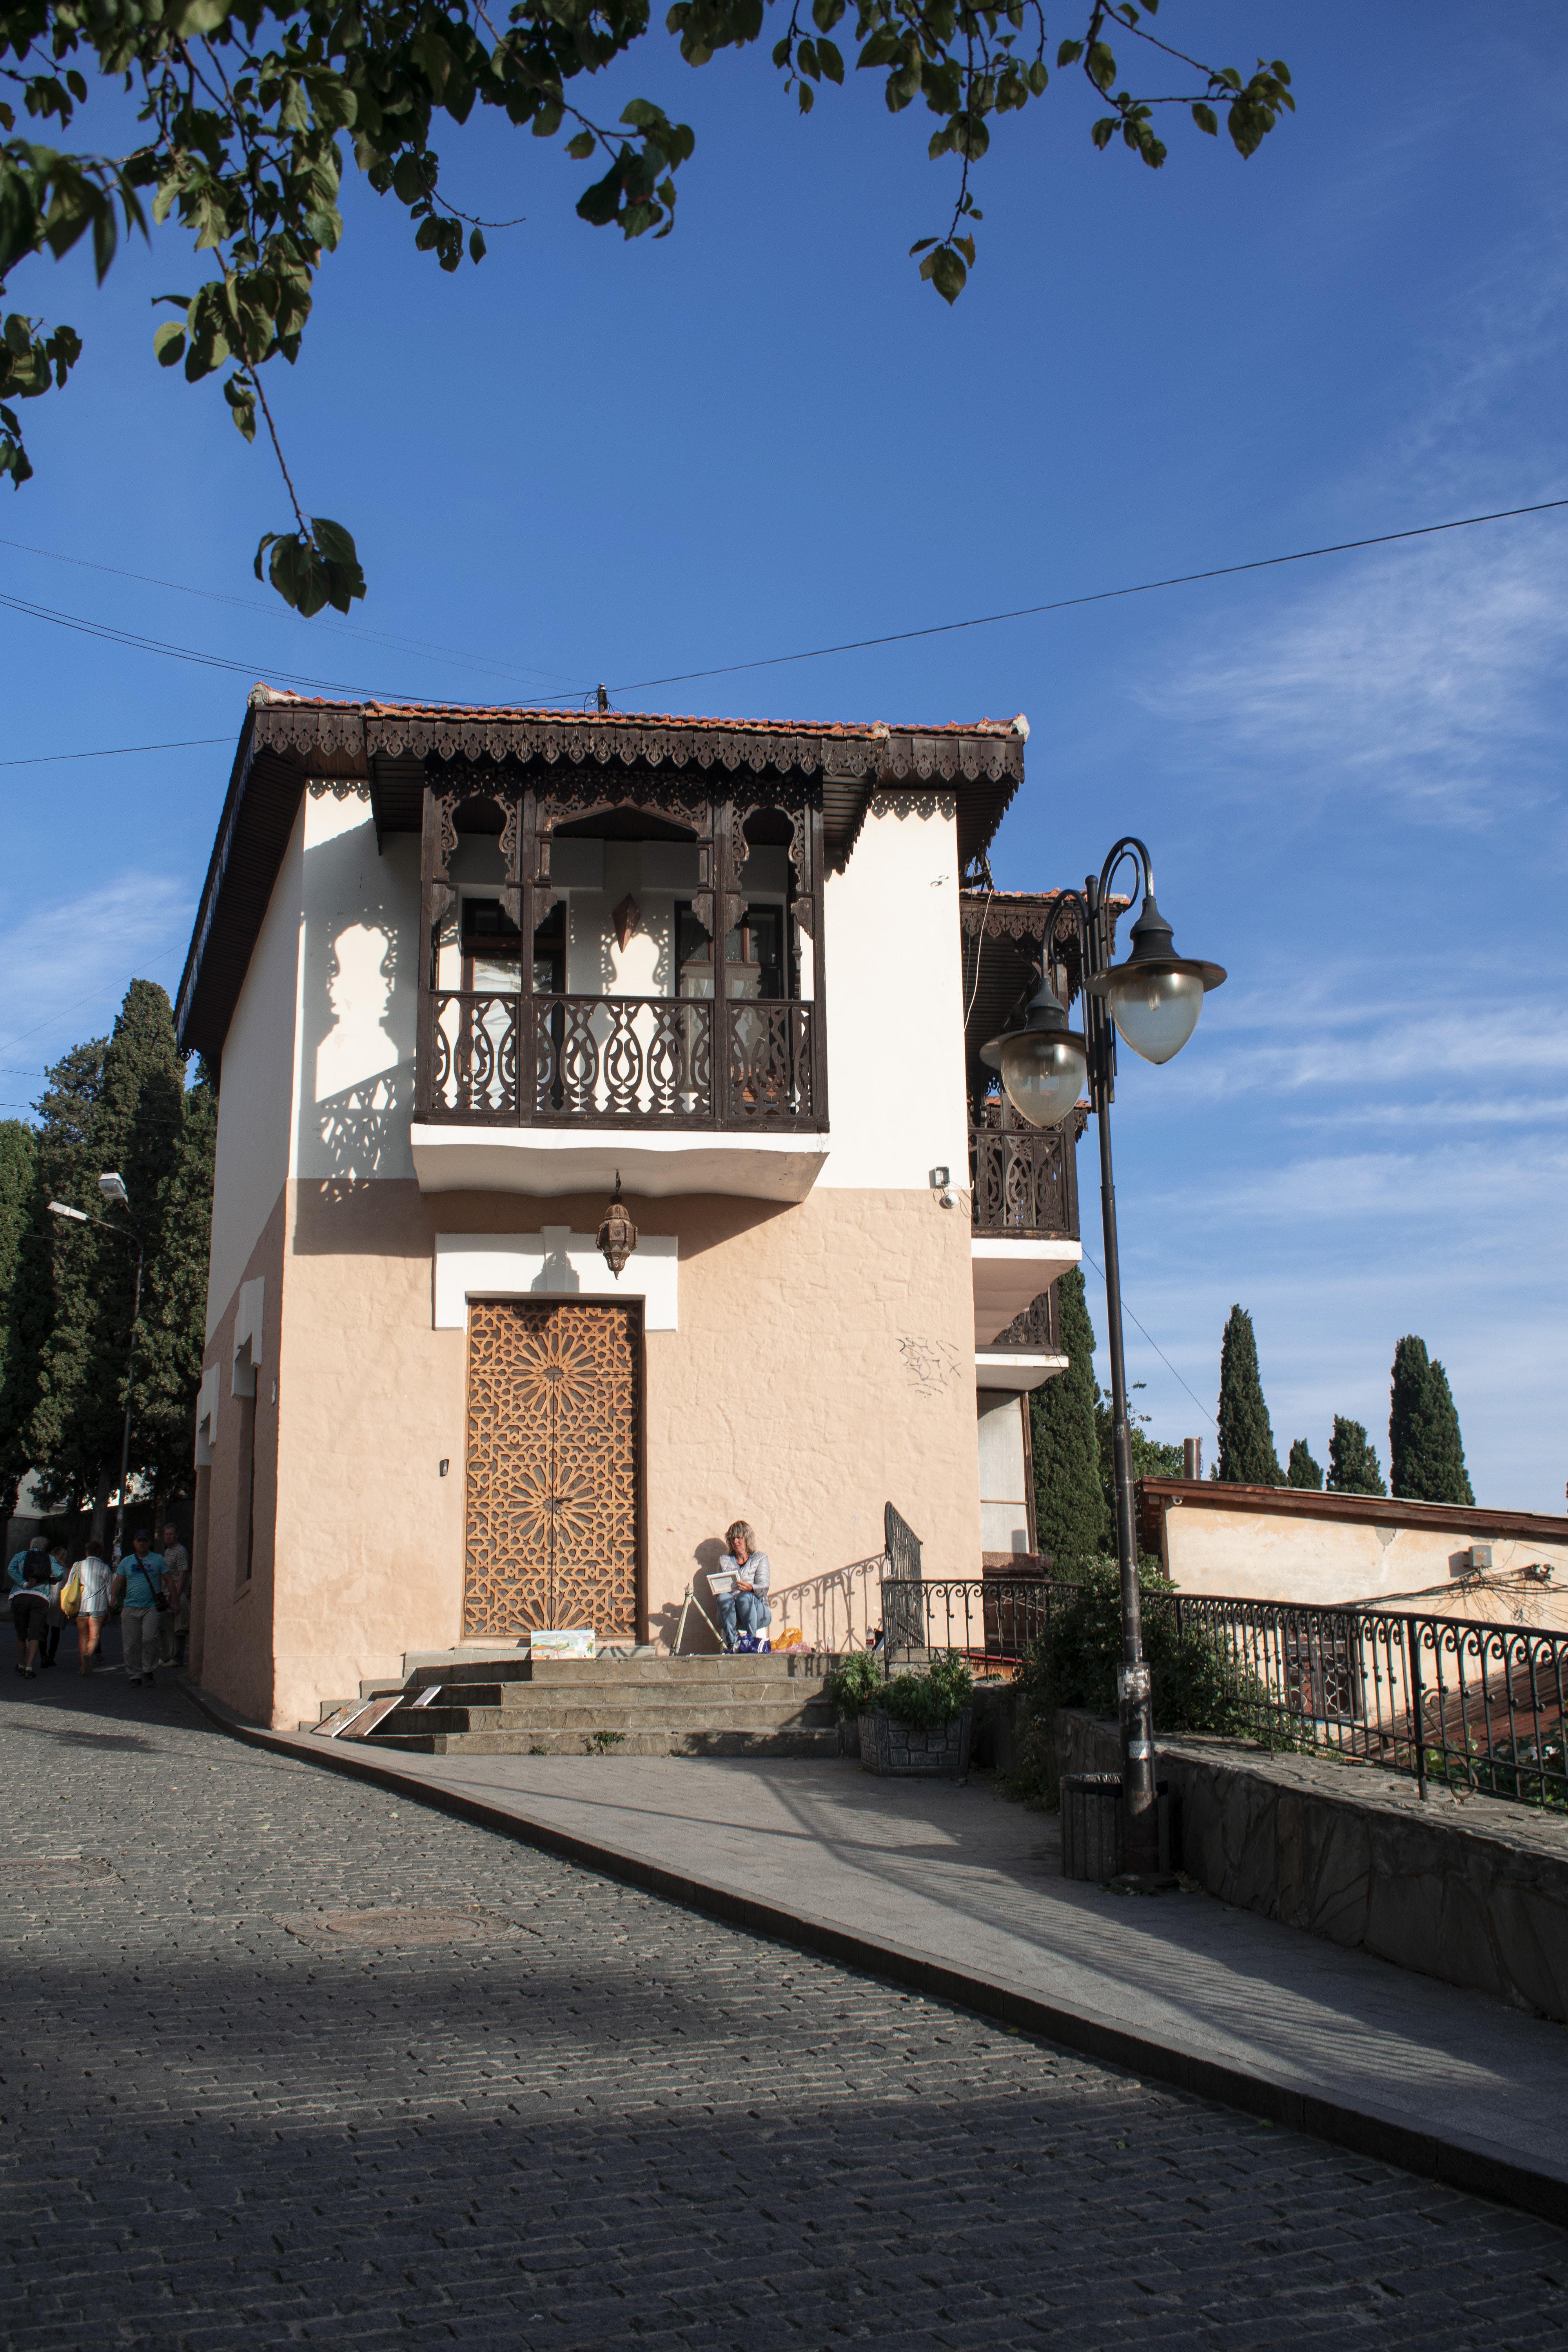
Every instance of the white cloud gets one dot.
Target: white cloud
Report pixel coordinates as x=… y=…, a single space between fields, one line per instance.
x=69 y=961
x=1427 y=674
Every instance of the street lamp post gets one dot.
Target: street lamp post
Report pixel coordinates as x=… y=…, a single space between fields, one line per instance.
x=1153 y=1000
x=112 y=1187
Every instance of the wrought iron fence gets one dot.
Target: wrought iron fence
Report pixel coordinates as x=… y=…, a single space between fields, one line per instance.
x=1471 y=1704
x=634 y=1060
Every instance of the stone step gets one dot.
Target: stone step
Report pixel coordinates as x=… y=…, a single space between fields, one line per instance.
x=562 y=1713
x=558 y=1742
x=787 y=1666
x=731 y=1690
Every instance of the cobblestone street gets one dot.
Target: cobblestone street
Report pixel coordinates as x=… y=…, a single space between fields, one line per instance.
x=507 y=2102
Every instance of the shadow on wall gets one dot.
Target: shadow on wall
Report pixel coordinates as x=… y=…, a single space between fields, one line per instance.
x=363 y=1085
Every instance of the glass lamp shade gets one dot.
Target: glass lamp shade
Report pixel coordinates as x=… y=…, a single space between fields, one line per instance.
x=1156 y=1008
x=1043 y=1072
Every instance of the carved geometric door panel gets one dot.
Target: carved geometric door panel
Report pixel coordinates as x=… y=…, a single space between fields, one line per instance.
x=552 y=1506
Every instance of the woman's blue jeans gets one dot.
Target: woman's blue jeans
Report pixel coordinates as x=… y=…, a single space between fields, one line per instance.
x=747 y=1610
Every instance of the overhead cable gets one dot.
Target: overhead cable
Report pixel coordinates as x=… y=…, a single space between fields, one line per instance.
x=1100 y=596
x=273 y=611
x=112 y=751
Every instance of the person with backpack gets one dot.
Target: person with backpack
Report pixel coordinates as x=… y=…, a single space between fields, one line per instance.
x=30 y=1609
x=142 y=1601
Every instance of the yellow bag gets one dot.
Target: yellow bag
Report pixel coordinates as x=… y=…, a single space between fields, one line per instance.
x=70 y=1592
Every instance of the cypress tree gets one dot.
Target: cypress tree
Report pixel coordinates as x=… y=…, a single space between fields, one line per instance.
x=1070 y=1506
x=137 y=1128
x=15 y=1243
x=1302 y=1471
x=1352 y=1463
x=1425 y=1451
x=172 y=1332
x=1247 y=1455
x=52 y=1328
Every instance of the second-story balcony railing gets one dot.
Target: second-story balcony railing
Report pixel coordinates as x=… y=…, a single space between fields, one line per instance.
x=1023 y=1180
x=622 y=1061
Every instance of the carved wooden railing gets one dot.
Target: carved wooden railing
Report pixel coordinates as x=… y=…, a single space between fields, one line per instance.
x=621 y=1061
x=1023 y=1180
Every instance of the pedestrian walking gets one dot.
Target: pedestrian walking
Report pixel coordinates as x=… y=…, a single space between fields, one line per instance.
x=93 y=1573
x=30 y=1608
x=15 y=1577
x=140 y=1583
x=59 y=1569
x=174 y=1632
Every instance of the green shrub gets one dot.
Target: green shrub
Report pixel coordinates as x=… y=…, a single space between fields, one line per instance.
x=853 y=1680
x=927 y=1701
x=1075 y=1660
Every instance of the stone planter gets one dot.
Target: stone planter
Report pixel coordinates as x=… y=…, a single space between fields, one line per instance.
x=899 y=1749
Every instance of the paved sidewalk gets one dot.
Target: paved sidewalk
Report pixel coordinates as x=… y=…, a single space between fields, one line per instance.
x=955 y=1890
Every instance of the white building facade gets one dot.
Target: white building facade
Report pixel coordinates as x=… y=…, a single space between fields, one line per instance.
x=464 y=972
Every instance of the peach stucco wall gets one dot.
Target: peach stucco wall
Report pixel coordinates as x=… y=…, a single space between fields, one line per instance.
x=232 y=1623
x=1259 y=1556
x=822 y=1365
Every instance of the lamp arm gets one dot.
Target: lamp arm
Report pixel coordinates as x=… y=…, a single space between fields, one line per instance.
x=1128 y=846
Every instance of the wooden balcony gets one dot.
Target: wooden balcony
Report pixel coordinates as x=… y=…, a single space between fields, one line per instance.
x=1023 y=1180
x=660 y=1064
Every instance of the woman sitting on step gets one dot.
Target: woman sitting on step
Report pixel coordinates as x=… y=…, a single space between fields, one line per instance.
x=743 y=1577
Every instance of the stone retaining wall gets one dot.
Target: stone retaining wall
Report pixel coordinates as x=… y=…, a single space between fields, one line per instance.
x=1467 y=1888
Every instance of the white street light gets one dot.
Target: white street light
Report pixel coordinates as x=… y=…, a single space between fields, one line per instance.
x=1045 y=1065
x=112 y=1187
x=1156 y=996
x=60 y=1208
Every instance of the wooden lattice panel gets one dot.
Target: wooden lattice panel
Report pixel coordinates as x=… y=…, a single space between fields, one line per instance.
x=551 y=1513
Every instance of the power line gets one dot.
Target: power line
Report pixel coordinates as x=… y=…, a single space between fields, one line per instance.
x=250 y=604
x=114 y=751
x=1100 y=596
x=60 y=1012
x=1155 y=1345
x=129 y=637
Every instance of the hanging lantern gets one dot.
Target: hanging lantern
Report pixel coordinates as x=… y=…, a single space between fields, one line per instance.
x=617 y=1236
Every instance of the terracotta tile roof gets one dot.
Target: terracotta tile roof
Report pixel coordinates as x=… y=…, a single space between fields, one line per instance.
x=867 y=729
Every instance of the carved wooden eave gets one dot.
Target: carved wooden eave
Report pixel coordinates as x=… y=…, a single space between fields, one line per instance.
x=1002 y=933
x=391 y=748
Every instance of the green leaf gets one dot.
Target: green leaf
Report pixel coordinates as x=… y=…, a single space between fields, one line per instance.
x=831 y=60
x=582 y=147
x=198 y=17
x=169 y=342
x=1203 y=115
x=1069 y=54
x=476 y=245
x=945 y=271
x=241 y=399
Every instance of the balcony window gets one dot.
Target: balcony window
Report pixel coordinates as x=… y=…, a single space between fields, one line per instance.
x=627 y=1016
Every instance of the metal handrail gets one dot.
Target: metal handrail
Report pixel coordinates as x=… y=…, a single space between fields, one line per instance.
x=1458 y=1700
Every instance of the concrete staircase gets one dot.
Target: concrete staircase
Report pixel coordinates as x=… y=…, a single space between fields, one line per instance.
x=639 y=1706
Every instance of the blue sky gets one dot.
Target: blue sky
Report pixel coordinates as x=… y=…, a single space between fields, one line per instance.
x=587 y=461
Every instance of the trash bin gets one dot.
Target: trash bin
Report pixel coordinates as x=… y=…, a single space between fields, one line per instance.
x=1092 y=1844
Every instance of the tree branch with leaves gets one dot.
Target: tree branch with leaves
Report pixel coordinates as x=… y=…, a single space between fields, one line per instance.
x=246 y=110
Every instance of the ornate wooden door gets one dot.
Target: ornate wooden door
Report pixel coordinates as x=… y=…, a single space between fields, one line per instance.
x=552 y=1438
